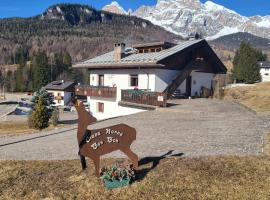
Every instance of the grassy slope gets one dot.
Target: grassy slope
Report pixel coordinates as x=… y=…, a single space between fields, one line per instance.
x=174 y=178
x=256 y=97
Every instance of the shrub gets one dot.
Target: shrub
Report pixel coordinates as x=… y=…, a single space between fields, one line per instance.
x=55 y=117
x=39 y=118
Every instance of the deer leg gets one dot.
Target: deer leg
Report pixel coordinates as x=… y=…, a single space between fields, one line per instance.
x=132 y=156
x=97 y=167
x=83 y=162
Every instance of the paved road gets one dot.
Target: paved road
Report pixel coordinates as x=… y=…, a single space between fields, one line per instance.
x=193 y=127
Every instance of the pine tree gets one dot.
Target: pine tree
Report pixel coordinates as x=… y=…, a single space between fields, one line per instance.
x=39 y=118
x=41 y=70
x=47 y=99
x=245 y=67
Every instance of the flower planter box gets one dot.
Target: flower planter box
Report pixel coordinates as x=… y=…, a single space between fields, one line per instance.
x=116 y=183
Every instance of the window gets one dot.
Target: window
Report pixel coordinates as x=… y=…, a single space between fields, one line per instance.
x=134 y=80
x=101 y=80
x=152 y=50
x=146 y=51
x=266 y=74
x=100 y=107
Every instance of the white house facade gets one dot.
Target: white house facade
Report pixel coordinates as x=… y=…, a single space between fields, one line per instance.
x=264 y=70
x=146 y=76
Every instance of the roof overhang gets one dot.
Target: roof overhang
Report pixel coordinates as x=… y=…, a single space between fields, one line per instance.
x=119 y=66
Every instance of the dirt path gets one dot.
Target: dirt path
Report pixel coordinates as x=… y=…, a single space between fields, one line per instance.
x=192 y=127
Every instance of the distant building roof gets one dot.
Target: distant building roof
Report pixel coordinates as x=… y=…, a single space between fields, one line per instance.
x=60 y=85
x=264 y=64
x=166 y=44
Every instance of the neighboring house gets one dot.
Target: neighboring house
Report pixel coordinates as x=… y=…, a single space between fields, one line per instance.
x=264 y=70
x=125 y=80
x=62 y=91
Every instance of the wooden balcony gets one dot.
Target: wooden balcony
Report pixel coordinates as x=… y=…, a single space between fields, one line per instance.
x=96 y=91
x=144 y=97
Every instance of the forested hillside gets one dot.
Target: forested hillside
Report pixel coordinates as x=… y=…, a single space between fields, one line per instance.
x=80 y=30
x=63 y=34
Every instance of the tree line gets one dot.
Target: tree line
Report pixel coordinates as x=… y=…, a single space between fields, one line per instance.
x=38 y=70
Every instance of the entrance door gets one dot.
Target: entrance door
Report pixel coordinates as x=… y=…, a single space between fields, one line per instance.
x=188 y=85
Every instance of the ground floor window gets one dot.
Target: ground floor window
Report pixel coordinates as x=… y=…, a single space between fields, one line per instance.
x=100 y=107
x=134 y=80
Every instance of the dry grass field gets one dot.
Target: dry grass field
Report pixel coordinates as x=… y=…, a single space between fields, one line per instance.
x=14 y=128
x=256 y=97
x=19 y=128
x=173 y=178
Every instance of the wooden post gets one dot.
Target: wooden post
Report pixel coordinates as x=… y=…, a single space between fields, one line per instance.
x=83 y=162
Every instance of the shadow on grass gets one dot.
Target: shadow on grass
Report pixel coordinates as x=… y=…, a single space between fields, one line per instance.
x=141 y=173
x=68 y=122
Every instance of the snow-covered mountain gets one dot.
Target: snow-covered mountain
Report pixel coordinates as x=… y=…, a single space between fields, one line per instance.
x=114 y=7
x=184 y=17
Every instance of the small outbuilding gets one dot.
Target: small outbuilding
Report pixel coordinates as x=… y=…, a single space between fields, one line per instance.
x=264 y=70
x=62 y=91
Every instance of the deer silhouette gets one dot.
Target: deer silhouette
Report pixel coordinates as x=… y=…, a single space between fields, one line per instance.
x=95 y=143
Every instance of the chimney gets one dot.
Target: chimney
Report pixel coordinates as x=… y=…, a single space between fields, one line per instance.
x=119 y=51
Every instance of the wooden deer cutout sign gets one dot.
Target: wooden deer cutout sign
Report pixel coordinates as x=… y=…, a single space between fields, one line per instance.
x=95 y=143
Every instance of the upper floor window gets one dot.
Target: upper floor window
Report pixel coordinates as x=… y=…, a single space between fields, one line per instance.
x=266 y=74
x=134 y=80
x=101 y=80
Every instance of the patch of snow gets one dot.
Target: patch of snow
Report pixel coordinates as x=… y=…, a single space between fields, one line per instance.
x=87 y=11
x=225 y=31
x=265 y=23
x=114 y=7
x=211 y=6
x=58 y=9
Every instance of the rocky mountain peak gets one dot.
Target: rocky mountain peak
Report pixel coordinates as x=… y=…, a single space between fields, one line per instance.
x=211 y=20
x=114 y=7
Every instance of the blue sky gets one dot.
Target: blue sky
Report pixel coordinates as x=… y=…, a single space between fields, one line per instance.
x=26 y=8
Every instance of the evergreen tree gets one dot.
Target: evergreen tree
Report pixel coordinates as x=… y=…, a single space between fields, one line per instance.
x=47 y=100
x=39 y=118
x=41 y=70
x=245 y=67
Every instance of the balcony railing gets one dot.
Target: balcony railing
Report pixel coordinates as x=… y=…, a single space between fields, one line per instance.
x=144 y=97
x=96 y=91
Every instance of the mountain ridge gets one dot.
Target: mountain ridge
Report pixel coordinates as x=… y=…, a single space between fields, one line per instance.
x=81 y=30
x=211 y=20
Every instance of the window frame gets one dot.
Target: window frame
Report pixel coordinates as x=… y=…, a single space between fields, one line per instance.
x=133 y=76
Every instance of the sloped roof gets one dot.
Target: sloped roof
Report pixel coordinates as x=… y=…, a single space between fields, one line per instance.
x=173 y=58
x=150 y=59
x=59 y=85
x=263 y=64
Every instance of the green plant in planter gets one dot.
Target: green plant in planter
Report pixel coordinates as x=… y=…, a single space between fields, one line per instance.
x=117 y=176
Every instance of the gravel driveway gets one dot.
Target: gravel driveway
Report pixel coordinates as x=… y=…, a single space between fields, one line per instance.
x=193 y=127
